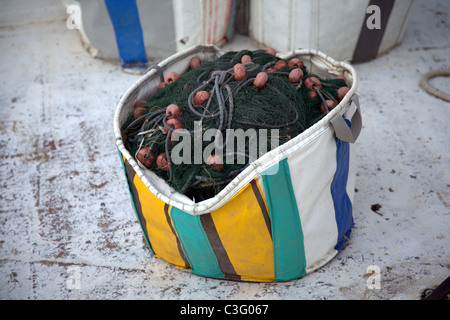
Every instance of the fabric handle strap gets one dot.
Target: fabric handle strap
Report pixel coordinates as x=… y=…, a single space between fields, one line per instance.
x=345 y=131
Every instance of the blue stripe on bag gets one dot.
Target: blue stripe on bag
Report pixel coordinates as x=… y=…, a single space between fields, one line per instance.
x=287 y=234
x=124 y=16
x=341 y=200
x=195 y=244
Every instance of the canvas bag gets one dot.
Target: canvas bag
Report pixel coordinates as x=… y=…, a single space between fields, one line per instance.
x=137 y=32
x=359 y=30
x=287 y=214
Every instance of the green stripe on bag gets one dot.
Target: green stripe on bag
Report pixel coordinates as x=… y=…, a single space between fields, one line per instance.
x=129 y=175
x=195 y=244
x=287 y=235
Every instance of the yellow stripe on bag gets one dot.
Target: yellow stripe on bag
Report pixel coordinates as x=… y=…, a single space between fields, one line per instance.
x=242 y=227
x=161 y=233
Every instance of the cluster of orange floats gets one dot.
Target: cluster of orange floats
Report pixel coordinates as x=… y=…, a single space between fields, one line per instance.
x=169 y=116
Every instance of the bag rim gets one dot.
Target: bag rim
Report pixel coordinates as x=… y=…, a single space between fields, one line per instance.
x=256 y=167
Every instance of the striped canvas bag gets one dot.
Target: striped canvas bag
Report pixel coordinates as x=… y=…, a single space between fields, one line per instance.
x=284 y=216
x=135 y=32
x=360 y=30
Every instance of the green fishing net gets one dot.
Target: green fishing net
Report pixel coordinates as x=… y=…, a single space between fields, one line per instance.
x=237 y=121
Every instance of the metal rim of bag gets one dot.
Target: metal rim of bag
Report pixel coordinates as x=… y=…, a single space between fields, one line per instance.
x=332 y=121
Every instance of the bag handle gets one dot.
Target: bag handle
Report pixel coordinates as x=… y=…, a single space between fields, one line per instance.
x=345 y=131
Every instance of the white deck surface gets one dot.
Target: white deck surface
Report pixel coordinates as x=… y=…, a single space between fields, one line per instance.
x=65 y=210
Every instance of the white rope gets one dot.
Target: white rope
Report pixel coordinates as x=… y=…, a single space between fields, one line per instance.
x=425 y=84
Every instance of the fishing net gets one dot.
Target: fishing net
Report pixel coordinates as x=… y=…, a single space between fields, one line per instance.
x=221 y=115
